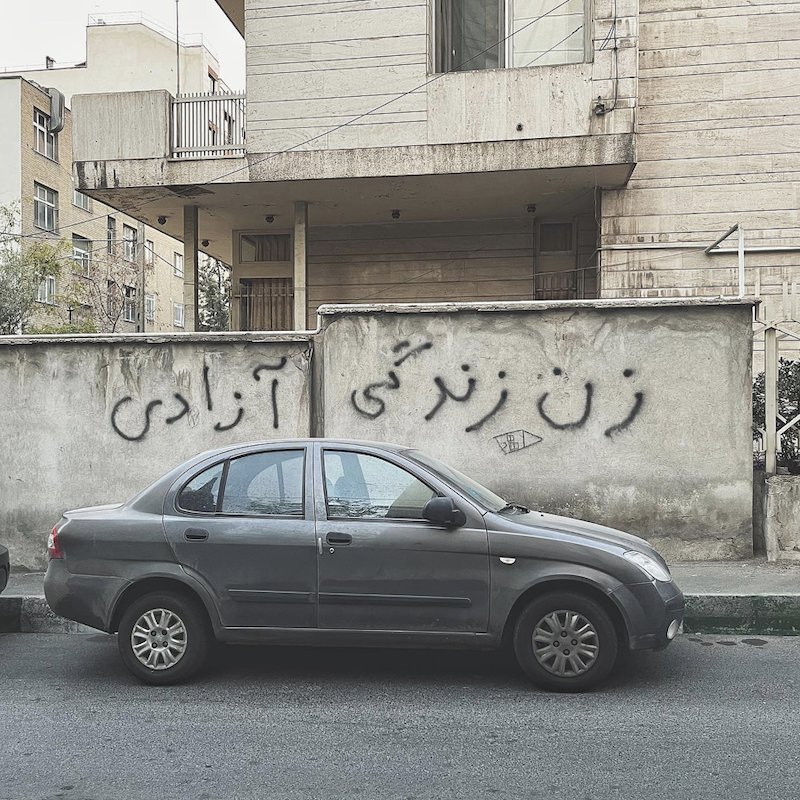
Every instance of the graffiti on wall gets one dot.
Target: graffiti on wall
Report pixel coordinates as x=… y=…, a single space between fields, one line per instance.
x=485 y=398
x=181 y=406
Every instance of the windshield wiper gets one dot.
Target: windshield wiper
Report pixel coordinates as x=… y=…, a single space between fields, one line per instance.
x=516 y=507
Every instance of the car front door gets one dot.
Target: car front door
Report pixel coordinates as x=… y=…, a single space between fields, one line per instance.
x=381 y=565
x=244 y=526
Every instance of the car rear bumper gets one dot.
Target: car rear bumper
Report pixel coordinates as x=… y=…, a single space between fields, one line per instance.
x=655 y=610
x=87 y=599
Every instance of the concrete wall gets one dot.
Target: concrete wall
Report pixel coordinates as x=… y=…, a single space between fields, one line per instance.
x=75 y=416
x=625 y=413
x=781 y=521
x=134 y=123
x=635 y=417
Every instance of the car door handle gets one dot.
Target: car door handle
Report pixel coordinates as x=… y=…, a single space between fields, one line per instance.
x=339 y=538
x=195 y=534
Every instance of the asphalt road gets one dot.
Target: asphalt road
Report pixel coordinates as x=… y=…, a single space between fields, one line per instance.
x=712 y=717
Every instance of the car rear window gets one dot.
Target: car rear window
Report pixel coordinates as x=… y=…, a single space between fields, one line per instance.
x=202 y=491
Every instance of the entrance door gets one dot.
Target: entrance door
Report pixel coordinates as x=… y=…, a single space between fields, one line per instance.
x=243 y=527
x=381 y=565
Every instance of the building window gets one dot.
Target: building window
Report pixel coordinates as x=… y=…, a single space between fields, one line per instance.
x=540 y=33
x=47 y=291
x=45 y=142
x=129 y=311
x=80 y=199
x=212 y=82
x=111 y=235
x=255 y=247
x=555 y=237
x=150 y=307
x=177 y=315
x=80 y=254
x=177 y=265
x=227 y=123
x=129 y=241
x=45 y=207
x=149 y=253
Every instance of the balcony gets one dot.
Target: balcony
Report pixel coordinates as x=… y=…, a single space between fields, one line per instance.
x=208 y=125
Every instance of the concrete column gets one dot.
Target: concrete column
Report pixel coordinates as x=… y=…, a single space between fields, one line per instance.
x=141 y=287
x=300 y=265
x=190 y=277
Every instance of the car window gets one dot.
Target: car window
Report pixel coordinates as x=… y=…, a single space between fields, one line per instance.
x=265 y=483
x=367 y=487
x=202 y=491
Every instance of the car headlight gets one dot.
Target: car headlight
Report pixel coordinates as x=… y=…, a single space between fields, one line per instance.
x=649 y=565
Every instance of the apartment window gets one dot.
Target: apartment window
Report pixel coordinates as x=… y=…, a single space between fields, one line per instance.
x=45 y=142
x=212 y=82
x=80 y=199
x=129 y=241
x=227 y=123
x=177 y=265
x=255 y=247
x=45 y=207
x=111 y=235
x=80 y=254
x=150 y=307
x=539 y=33
x=555 y=237
x=149 y=253
x=47 y=291
x=177 y=315
x=129 y=310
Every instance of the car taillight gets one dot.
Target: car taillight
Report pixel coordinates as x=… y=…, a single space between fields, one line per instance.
x=53 y=547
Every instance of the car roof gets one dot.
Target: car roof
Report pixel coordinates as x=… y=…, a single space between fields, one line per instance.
x=395 y=448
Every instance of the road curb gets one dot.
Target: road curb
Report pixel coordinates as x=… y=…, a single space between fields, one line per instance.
x=764 y=615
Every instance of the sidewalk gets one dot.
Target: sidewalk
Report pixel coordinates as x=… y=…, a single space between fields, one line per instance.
x=734 y=597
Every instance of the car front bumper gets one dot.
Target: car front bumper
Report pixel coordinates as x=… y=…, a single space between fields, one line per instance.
x=652 y=608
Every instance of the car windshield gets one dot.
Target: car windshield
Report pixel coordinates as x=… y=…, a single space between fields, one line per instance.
x=473 y=489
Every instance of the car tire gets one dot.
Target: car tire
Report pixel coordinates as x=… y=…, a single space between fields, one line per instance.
x=582 y=659
x=164 y=638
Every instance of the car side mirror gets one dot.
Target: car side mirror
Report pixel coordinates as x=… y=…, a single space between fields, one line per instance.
x=443 y=511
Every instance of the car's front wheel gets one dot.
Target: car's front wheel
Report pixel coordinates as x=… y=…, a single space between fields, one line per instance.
x=565 y=642
x=164 y=637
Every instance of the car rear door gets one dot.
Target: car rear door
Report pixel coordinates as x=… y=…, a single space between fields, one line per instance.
x=244 y=526
x=381 y=565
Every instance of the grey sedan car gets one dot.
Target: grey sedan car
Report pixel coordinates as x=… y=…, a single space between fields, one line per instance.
x=323 y=542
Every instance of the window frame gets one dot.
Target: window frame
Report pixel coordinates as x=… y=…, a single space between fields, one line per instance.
x=130 y=301
x=111 y=234
x=175 y=273
x=175 y=306
x=149 y=253
x=390 y=520
x=147 y=301
x=50 y=138
x=53 y=206
x=130 y=243
x=85 y=261
x=436 y=62
x=218 y=512
x=76 y=194
x=49 y=297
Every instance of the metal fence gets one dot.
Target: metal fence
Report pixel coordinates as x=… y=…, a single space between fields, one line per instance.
x=208 y=125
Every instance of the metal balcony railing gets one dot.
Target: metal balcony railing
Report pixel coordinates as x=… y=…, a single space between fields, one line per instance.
x=208 y=125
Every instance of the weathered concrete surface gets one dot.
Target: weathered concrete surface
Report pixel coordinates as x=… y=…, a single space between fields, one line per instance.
x=92 y=421
x=637 y=417
x=781 y=521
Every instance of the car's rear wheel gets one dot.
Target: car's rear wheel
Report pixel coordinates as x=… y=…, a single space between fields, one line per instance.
x=565 y=642
x=164 y=637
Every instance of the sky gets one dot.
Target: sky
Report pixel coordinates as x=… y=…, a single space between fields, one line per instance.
x=33 y=29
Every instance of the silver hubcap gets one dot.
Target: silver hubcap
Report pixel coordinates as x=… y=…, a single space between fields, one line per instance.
x=159 y=639
x=565 y=643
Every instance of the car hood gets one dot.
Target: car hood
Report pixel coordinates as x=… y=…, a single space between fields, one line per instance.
x=534 y=522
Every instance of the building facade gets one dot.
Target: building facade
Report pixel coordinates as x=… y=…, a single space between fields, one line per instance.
x=460 y=150
x=122 y=274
